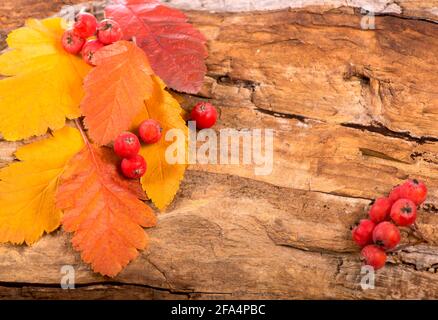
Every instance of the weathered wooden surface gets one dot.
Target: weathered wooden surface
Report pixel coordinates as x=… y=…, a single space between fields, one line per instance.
x=426 y=9
x=354 y=113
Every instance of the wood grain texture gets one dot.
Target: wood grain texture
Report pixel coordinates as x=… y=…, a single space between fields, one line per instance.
x=354 y=113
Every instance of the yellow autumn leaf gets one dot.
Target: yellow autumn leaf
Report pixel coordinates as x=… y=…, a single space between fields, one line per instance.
x=45 y=83
x=28 y=186
x=162 y=180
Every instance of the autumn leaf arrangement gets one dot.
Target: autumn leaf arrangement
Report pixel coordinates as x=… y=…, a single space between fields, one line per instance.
x=70 y=177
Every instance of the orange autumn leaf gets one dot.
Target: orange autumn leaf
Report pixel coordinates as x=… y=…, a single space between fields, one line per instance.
x=103 y=211
x=115 y=90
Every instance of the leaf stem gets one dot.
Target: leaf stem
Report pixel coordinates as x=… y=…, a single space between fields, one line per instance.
x=78 y=125
x=87 y=142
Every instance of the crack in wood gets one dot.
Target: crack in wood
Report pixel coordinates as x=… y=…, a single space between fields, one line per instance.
x=405 y=17
x=379 y=128
x=228 y=80
x=284 y=115
x=110 y=284
x=380 y=155
x=430 y=208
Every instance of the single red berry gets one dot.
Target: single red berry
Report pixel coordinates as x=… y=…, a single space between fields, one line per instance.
x=374 y=256
x=380 y=210
x=404 y=212
x=363 y=233
x=109 y=31
x=126 y=145
x=149 y=131
x=85 y=25
x=394 y=195
x=414 y=190
x=205 y=115
x=134 y=167
x=89 y=50
x=386 y=235
x=71 y=42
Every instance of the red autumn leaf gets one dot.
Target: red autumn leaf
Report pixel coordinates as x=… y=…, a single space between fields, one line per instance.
x=176 y=50
x=115 y=90
x=103 y=211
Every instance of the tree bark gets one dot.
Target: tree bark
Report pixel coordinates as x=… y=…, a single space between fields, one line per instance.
x=354 y=113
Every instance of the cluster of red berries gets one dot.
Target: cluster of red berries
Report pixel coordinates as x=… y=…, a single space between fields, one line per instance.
x=81 y=38
x=127 y=146
x=400 y=207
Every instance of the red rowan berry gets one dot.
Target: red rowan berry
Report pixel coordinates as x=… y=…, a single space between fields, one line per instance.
x=386 y=235
x=205 y=115
x=71 y=42
x=89 y=50
x=363 y=233
x=126 y=145
x=380 y=210
x=134 y=167
x=109 y=31
x=149 y=131
x=404 y=212
x=374 y=256
x=85 y=25
x=414 y=190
